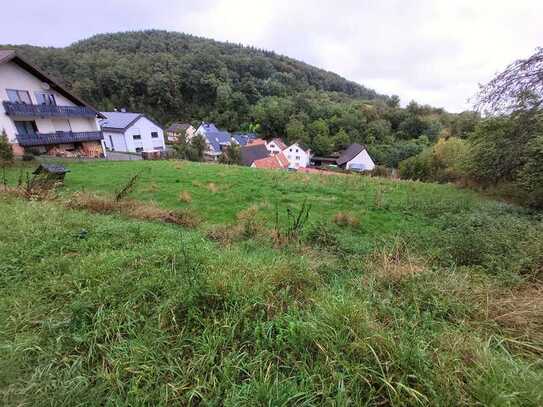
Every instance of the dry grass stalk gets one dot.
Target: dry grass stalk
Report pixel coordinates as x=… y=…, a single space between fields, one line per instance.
x=133 y=209
x=212 y=187
x=395 y=264
x=519 y=311
x=185 y=196
x=346 y=219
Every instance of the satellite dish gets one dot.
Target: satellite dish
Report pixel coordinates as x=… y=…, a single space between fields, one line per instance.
x=45 y=86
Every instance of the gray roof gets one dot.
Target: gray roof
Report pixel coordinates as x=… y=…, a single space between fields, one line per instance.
x=120 y=121
x=218 y=139
x=252 y=152
x=178 y=127
x=351 y=152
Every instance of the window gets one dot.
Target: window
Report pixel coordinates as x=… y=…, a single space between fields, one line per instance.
x=139 y=149
x=290 y=150
x=297 y=158
x=26 y=127
x=154 y=134
x=46 y=98
x=136 y=137
x=297 y=150
x=19 y=96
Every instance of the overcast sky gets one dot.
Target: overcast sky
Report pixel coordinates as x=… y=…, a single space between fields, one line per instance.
x=433 y=51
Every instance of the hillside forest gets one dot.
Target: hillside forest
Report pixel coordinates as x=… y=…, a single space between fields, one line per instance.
x=178 y=77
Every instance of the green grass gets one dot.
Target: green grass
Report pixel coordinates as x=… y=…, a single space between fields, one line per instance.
x=400 y=309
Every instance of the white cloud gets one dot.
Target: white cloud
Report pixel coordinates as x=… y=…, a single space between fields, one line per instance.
x=433 y=51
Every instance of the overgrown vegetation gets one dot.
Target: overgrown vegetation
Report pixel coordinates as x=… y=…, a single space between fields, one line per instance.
x=392 y=292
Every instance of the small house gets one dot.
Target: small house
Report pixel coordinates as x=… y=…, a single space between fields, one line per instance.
x=244 y=138
x=179 y=131
x=297 y=155
x=275 y=146
x=216 y=140
x=253 y=152
x=131 y=132
x=355 y=158
x=274 y=161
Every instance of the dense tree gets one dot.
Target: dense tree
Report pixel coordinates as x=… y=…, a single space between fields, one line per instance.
x=296 y=131
x=231 y=155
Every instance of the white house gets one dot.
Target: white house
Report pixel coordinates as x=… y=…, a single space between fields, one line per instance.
x=356 y=158
x=131 y=132
x=40 y=116
x=275 y=146
x=297 y=156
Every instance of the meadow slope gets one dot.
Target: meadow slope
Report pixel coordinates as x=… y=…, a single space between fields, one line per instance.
x=390 y=292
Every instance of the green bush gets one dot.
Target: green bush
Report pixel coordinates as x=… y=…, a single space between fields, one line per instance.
x=443 y=162
x=6 y=152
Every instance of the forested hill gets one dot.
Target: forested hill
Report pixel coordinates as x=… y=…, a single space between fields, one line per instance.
x=178 y=76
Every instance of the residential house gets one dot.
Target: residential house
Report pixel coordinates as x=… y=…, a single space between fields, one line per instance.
x=356 y=158
x=41 y=116
x=244 y=138
x=131 y=132
x=216 y=140
x=274 y=161
x=253 y=152
x=297 y=155
x=180 y=130
x=275 y=146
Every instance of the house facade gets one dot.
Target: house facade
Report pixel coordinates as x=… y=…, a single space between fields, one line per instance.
x=216 y=140
x=131 y=132
x=40 y=116
x=180 y=130
x=298 y=156
x=275 y=146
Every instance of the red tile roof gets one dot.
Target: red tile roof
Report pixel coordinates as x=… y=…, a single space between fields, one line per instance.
x=279 y=143
x=257 y=141
x=274 y=161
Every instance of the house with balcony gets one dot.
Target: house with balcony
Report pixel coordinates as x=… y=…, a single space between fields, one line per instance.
x=40 y=116
x=131 y=132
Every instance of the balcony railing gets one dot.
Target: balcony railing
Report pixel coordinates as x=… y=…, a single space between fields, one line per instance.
x=60 y=137
x=24 y=110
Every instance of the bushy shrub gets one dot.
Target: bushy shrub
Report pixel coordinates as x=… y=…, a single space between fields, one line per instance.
x=443 y=162
x=6 y=152
x=530 y=176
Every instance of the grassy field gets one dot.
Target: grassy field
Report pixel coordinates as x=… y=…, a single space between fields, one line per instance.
x=397 y=293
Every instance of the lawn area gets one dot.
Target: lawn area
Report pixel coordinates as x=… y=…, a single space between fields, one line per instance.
x=415 y=294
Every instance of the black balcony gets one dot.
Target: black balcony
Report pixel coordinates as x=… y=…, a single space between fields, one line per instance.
x=24 y=110
x=60 y=137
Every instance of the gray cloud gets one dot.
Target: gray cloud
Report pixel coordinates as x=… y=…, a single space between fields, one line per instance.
x=433 y=51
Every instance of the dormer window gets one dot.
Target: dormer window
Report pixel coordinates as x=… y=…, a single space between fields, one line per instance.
x=19 y=96
x=46 y=98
